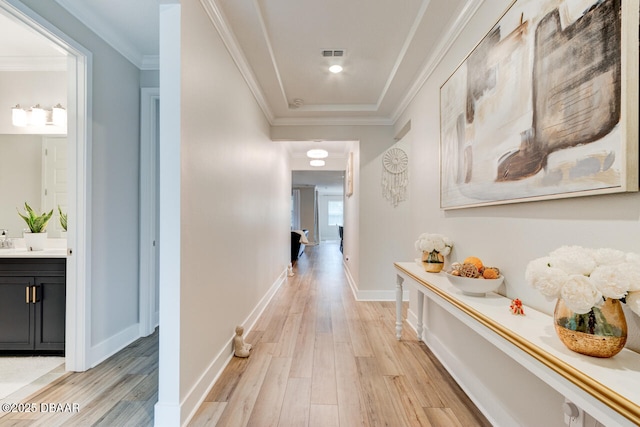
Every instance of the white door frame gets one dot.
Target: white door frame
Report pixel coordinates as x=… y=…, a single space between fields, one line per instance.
x=79 y=71
x=149 y=98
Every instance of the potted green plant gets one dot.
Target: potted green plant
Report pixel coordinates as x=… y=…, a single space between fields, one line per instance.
x=36 y=236
x=63 y=221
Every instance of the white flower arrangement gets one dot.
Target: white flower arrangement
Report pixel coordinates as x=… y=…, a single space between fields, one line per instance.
x=583 y=277
x=434 y=243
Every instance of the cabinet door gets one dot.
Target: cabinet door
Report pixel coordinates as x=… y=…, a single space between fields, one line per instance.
x=50 y=313
x=16 y=313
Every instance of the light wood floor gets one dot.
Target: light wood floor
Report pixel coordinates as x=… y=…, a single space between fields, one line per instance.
x=322 y=359
x=119 y=392
x=319 y=359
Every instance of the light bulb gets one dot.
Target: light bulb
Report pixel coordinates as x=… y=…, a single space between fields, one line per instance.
x=59 y=116
x=18 y=116
x=38 y=116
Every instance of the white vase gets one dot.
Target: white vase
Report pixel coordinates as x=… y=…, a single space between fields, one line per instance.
x=34 y=241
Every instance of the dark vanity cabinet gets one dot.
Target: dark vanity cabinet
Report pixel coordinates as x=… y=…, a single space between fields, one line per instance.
x=32 y=305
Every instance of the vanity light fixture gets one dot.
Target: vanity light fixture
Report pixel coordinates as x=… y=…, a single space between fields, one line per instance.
x=335 y=69
x=316 y=162
x=38 y=116
x=317 y=153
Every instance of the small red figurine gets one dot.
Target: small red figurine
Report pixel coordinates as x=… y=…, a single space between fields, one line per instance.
x=516 y=307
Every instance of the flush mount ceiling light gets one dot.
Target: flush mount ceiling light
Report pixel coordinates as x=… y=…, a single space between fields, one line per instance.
x=335 y=69
x=316 y=162
x=317 y=153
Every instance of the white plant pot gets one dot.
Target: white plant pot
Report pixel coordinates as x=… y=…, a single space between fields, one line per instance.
x=34 y=241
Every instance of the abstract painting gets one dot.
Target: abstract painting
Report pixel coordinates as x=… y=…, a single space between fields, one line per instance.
x=545 y=106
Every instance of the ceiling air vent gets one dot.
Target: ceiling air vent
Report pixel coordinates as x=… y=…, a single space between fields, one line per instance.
x=332 y=52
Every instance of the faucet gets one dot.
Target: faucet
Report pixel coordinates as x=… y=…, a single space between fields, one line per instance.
x=5 y=242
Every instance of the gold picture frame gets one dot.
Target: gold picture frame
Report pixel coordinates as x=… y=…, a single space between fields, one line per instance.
x=544 y=107
x=348 y=179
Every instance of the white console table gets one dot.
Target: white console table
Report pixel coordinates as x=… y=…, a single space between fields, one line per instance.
x=607 y=389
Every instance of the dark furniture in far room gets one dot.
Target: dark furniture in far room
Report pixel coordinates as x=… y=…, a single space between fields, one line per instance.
x=341 y=232
x=297 y=247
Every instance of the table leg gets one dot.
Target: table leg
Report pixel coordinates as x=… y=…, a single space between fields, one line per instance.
x=399 y=281
x=420 y=312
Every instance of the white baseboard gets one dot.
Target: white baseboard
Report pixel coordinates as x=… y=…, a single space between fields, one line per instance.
x=253 y=317
x=350 y=281
x=195 y=397
x=386 y=295
x=198 y=392
x=107 y=348
x=481 y=396
x=380 y=296
x=166 y=415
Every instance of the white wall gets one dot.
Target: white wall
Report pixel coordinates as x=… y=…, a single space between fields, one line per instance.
x=375 y=230
x=307 y=212
x=149 y=78
x=234 y=229
x=114 y=186
x=508 y=236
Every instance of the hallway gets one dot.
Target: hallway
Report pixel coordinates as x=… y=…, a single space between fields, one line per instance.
x=320 y=358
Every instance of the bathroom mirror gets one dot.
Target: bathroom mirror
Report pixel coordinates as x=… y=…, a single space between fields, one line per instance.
x=32 y=170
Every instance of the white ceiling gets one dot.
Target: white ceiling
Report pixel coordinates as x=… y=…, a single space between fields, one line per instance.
x=390 y=48
x=22 y=49
x=331 y=182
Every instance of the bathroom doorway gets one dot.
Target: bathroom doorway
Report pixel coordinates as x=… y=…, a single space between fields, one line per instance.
x=78 y=64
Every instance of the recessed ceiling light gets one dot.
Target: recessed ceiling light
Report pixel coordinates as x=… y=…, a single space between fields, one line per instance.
x=317 y=153
x=317 y=162
x=335 y=69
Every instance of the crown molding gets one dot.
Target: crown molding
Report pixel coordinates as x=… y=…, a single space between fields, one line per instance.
x=219 y=21
x=150 y=62
x=233 y=47
x=105 y=31
x=332 y=121
x=405 y=47
x=272 y=57
x=461 y=21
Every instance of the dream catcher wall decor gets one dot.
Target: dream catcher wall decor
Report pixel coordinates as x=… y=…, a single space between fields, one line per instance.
x=395 y=175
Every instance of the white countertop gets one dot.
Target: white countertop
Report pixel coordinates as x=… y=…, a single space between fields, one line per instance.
x=56 y=248
x=24 y=253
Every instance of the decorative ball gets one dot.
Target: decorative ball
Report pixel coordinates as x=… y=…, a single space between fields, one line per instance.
x=469 y=270
x=490 y=273
x=477 y=262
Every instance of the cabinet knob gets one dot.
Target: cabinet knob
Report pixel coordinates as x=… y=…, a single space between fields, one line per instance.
x=27 y=297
